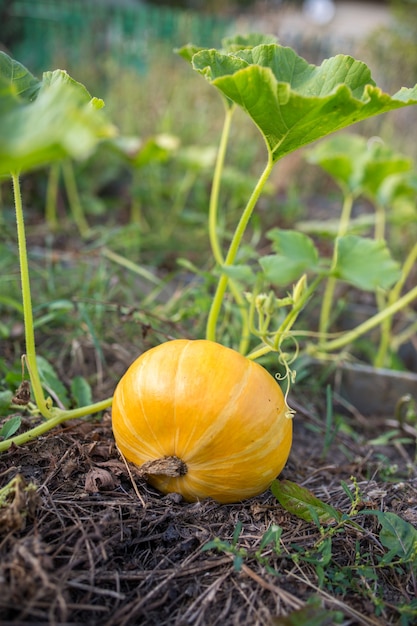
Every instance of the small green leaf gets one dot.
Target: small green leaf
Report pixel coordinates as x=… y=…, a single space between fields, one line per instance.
x=295 y=254
x=61 y=77
x=239 y=273
x=188 y=51
x=237 y=562
x=214 y=544
x=301 y=502
x=51 y=382
x=6 y=397
x=397 y=535
x=10 y=427
x=271 y=537
x=365 y=263
x=81 y=391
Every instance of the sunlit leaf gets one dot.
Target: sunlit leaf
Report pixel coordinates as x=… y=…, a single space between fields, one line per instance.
x=292 y=102
x=44 y=121
x=61 y=77
x=230 y=44
x=247 y=40
x=17 y=84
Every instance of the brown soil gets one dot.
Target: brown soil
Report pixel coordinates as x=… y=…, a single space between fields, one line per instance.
x=92 y=543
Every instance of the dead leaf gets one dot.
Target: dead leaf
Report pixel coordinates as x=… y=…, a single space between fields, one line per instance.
x=22 y=395
x=99 y=479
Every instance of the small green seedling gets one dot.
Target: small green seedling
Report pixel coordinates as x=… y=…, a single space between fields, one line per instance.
x=314 y=561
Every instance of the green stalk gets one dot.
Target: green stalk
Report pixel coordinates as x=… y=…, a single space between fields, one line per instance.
x=233 y=249
x=53 y=416
x=76 y=208
x=384 y=342
x=379 y=235
x=51 y=197
x=215 y=188
x=1 y=205
x=179 y=203
x=404 y=336
x=327 y=302
x=380 y=220
x=292 y=316
x=405 y=271
x=352 y=335
x=392 y=298
x=57 y=418
x=27 y=303
x=213 y=224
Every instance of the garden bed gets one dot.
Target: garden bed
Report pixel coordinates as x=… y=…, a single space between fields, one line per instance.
x=89 y=546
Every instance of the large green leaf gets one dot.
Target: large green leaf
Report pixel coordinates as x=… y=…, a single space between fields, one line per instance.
x=291 y=101
x=42 y=121
x=365 y=263
x=230 y=44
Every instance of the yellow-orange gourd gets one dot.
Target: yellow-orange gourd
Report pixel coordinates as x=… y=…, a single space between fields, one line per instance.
x=220 y=418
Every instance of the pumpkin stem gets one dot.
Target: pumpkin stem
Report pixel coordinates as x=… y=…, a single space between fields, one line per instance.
x=167 y=466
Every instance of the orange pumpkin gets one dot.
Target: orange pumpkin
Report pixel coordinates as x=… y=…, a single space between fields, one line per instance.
x=202 y=420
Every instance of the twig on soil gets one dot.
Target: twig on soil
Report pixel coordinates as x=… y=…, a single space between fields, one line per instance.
x=286 y=597
x=134 y=485
x=335 y=602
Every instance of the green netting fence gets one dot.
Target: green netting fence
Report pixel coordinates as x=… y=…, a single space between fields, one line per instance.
x=80 y=31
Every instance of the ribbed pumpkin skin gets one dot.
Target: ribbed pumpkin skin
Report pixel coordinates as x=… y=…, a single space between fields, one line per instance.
x=221 y=414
